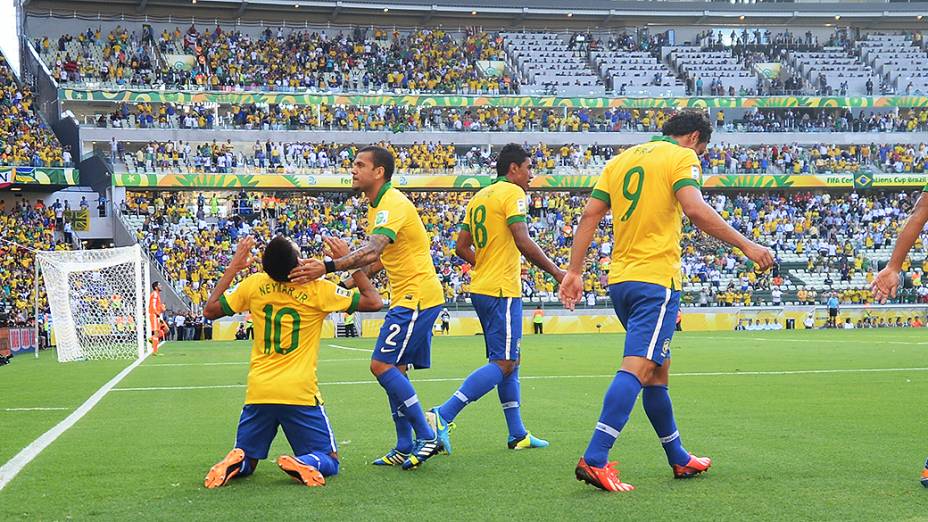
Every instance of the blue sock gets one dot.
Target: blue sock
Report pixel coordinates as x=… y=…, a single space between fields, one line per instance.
x=400 y=389
x=325 y=463
x=404 y=441
x=476 y=385
x=509 y=397
x=617 y=406
x=656 y=402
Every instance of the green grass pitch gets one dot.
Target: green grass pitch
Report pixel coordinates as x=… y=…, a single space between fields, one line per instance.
x=798 y=427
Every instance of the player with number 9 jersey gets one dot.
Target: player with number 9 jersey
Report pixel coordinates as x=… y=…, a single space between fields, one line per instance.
x=639 y=186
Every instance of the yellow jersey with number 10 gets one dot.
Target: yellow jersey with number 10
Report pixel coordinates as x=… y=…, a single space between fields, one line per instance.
x=639 y=185
x=408 y=258
x=490 y=212
x=287 y=324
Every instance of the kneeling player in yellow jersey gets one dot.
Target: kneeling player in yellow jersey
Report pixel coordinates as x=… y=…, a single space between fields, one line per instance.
x=282 y=387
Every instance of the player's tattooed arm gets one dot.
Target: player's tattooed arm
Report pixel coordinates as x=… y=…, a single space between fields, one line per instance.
x=312 y=269
x=533 y=252
x=240 y=261
x=364 y=256
x=370 y=271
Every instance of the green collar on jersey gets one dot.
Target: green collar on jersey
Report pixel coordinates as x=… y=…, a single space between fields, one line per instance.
x=501 y=178
x=668 y=139
x=386 y=186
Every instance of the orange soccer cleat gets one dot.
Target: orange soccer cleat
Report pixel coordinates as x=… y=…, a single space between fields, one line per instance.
x=925 y=475
x=694 y=467
x=302 y=473
x=225 y=470
x=605 y=478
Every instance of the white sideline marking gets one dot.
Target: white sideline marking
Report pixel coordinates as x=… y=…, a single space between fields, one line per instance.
x=555 y=377
x=350 y=348
x=811 y=341
x=19 y=461
x=34 y=409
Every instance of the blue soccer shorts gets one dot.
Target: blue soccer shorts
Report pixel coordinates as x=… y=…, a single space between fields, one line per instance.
x=649 y=314
x=307 y=429
x=501 y=319
x=406 y=337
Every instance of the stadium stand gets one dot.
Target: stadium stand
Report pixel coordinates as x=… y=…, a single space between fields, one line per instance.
x=547 y=64
x=711 y=73
x=823 y=243
x=35 y=227
x=24 y=138
x=901 y=62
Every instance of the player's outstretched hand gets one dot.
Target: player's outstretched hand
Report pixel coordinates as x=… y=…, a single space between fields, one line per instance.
x=559 y=275
x=885 y=284
x=306 y=271
x=761 y=255
x=242 y=258
x=571 y=290
x=337 y=247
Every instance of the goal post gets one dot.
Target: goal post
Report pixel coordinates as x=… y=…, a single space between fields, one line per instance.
x=97 y=300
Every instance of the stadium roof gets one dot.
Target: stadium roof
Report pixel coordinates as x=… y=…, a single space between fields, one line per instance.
x=577 y=13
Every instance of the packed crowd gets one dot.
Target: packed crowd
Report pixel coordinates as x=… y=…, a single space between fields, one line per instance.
x=439 y=158
x=837 y=236
x=24 y=137
x=841 y=237
x=36 y=227
x=119 y=57
x=489 y=119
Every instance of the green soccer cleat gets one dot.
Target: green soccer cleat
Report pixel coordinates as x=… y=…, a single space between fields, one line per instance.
x=441 y=428
x=392 y=458
x=529 y=441
x=424 y=450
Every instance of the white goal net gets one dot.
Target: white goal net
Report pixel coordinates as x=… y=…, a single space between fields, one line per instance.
x=98 y=302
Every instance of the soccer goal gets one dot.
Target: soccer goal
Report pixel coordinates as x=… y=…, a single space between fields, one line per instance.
x=97 y=302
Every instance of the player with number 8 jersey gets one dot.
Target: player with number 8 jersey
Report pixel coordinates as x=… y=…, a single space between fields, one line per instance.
x=493 y=238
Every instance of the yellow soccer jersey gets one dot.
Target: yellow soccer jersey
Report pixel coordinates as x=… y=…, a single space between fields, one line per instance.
x=287 y=323
x=498 y=272
x=639 y=185
x=408 y=258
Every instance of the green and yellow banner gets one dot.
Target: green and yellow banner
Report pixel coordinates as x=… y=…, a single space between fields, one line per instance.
x=858 y=180
x=424 y=100
x=38 y=176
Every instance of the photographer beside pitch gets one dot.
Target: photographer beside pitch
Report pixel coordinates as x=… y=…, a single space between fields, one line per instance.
x=648 y=188
x=282 y=386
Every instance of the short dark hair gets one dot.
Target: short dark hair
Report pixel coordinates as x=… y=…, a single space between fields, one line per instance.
x=685 y=122
x=280 y=257
x=154 y=285
x=381 y=158
x=511 y=153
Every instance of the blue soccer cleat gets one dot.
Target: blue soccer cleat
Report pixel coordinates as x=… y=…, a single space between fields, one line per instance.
x=424 y=450
x=392 y=458
x=441 y=427
x=529 y=441
x=925 y=475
